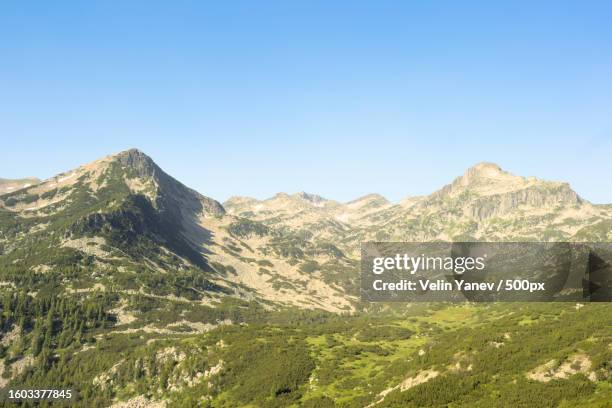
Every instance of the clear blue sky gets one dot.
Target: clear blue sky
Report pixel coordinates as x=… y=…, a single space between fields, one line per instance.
x=335 y=98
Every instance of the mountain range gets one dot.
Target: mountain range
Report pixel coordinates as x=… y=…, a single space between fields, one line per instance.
x=127 y=217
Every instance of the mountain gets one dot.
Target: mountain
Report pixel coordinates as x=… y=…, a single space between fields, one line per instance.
x=132 y=221
x=8 y=185
x=487 y=203
x=124 y=199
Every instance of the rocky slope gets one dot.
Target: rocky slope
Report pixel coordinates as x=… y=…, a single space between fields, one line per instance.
x=8 y=185
x=133 y=222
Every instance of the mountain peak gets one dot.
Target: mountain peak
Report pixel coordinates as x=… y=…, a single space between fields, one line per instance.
x=313 y=198
x=368 y=199
x=488 y=175
x=130 y=153
x=484 y=170
x=281 y=195
x=136 y=160
x=486 y=178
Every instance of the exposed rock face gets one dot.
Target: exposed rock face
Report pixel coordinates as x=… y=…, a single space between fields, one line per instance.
x=139 y=402
x=533 y=196
x=139 y=162
x=171 y=192
x=486 y=191
x=578 y=363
